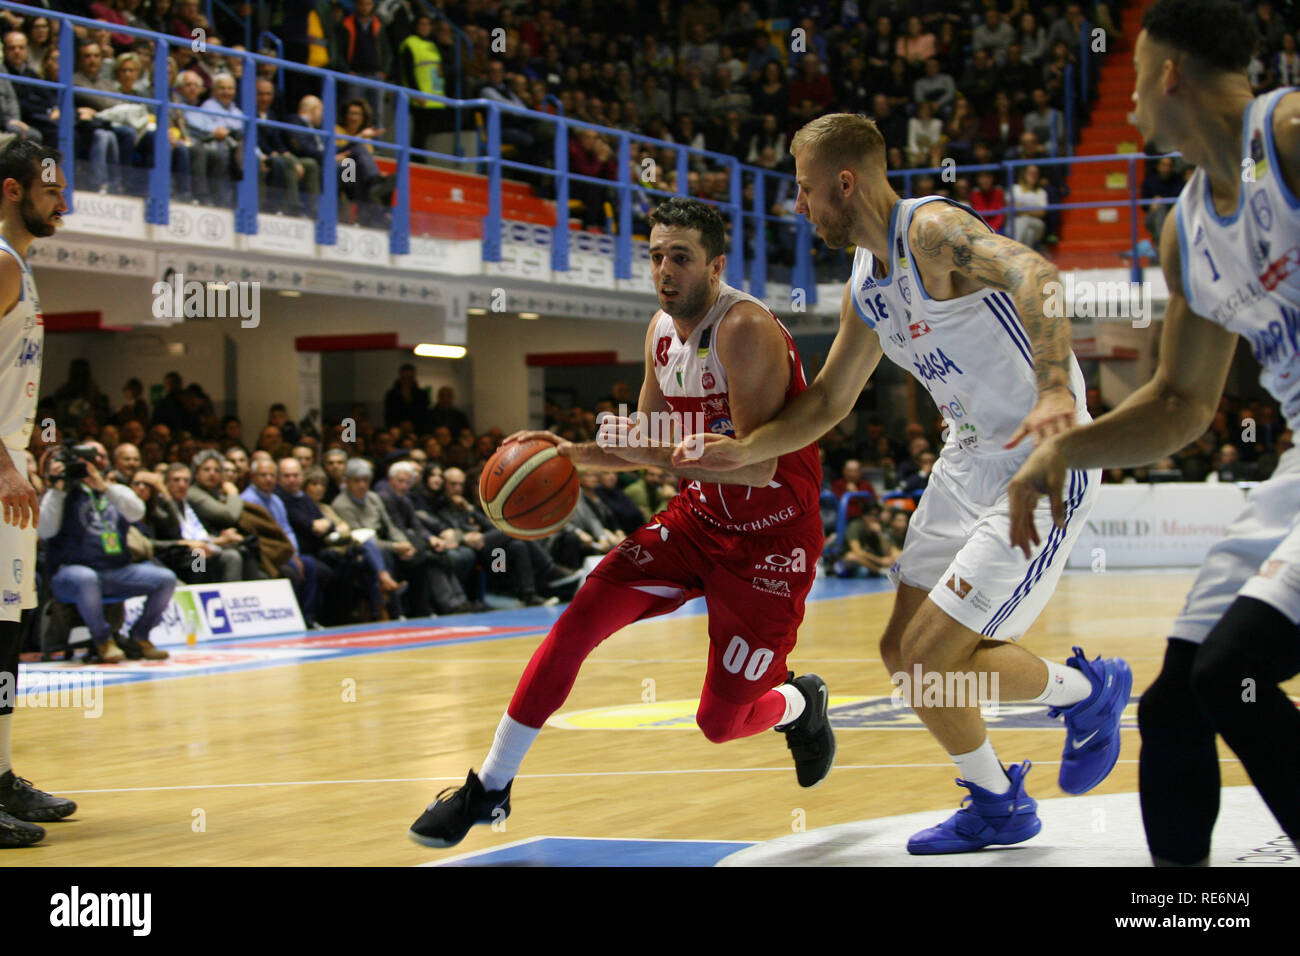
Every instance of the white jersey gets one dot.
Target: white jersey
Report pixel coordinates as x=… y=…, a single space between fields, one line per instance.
x=22 y=340
x=1243 y=271
x=971 y=353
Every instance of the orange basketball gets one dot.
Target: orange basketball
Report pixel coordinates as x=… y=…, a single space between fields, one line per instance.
x=528 y=490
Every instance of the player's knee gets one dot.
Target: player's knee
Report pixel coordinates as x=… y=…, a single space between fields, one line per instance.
x=890 y=652
x=717 y=721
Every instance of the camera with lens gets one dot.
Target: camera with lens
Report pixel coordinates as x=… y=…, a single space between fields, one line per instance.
x=75 y=459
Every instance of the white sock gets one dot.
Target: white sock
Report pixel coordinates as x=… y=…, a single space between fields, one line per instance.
x=794 y=703
x=5 y=765
x=982 y=768
x=1065 y=686
x=509 y=747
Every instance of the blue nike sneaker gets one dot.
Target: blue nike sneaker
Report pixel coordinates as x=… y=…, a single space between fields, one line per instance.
x=1092 y=725
x=985 y=819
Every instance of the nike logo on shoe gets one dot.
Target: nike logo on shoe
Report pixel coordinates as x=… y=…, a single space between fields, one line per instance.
x=1077 y=743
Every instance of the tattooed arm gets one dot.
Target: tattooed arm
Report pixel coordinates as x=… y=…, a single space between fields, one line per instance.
x=958 y=254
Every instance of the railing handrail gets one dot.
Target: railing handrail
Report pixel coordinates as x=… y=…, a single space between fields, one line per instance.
x=623 y=183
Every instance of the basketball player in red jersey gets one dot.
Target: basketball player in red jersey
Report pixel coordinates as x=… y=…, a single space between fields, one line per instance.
x=748 y=543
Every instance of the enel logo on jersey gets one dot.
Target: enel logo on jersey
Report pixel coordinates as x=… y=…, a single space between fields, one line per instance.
x=935 y=365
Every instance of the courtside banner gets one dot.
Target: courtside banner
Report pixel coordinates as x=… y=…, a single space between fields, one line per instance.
x=1160 y=525
x=216 y=612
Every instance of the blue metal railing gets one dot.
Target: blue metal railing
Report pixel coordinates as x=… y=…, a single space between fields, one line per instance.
x=754 y=217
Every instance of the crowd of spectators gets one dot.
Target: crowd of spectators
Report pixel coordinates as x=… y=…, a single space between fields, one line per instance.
x=972 y=82
x=378 y=521
x=1243 y=443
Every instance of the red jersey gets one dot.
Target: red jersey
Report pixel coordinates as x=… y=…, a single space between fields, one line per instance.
x=694 y=383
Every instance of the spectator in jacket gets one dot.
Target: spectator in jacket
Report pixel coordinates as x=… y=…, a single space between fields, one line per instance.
x=366 y=52
x=85 y=526
x=308 y=577
x=449 y=563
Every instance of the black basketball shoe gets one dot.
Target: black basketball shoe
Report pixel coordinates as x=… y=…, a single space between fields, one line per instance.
x=14 y=832
x=445 y=822
x=809 y=737
x=20 y=799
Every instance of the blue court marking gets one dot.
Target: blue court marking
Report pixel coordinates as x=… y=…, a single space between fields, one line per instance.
x=595 y=851
x=537 y=621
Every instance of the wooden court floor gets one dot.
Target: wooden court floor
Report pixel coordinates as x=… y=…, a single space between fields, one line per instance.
x=278 y=767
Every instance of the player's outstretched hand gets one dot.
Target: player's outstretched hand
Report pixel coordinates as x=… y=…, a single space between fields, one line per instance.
x=1053 y=415
x=18 y=498
x=1043 y=473
x=711 y=453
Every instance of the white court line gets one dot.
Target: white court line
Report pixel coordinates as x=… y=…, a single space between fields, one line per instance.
x=541 y=776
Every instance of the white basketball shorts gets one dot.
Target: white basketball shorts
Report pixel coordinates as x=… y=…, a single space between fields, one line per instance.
x=958 y=546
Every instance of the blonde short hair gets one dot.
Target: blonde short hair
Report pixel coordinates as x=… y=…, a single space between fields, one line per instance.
x=843 y=140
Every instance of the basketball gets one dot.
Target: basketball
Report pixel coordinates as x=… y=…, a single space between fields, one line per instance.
x=528 y=490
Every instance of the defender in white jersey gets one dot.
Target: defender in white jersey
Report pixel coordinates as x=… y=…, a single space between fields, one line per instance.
x=31 y=206
x=1231 y=258
x=961 y=307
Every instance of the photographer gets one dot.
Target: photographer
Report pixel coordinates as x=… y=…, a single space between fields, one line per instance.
x=84 y=521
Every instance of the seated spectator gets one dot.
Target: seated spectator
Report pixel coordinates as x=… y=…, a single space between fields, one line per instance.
x=218 y=505
x=925 y=136
x=988 y=199
x=935 y=87
x=143 y=120
x=310 y=579
x=528 y=568
x=334 y=463
x=896 y=530
x=591 y=530
x=1002 y=126
x=866 y=550
x=211 y=151
x=126 y=462
x=85 y=526
x=916 y=482
x=851 y=480
x=360 y=178
x=180 y=540
x=1019 y=79
x=362 y=508
x=292 y=182
x=16 y=100
x=646 y=492
x=514 y=129
x=916 y=45
x=1030 y=200
x=1047 y=123
x=1162 y=182
x=307 y=147
x=436 y=539
x=979 y=82
x=627 y=515
x=340 y=550
x=994 y=35
x=1230 y=467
